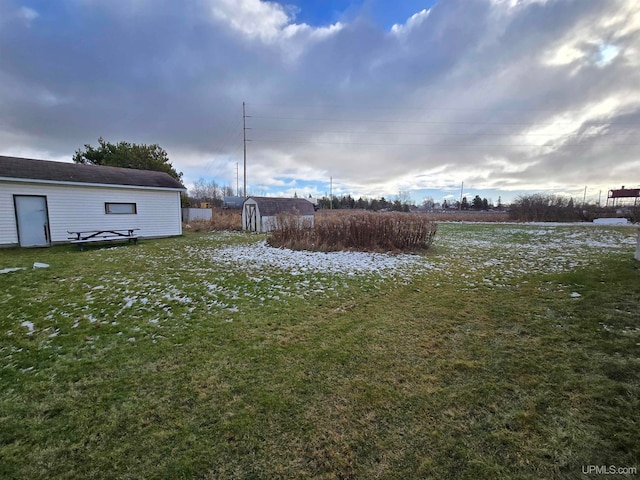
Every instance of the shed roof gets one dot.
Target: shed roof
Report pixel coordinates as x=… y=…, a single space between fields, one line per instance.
x=45 y=170
x=270 y=206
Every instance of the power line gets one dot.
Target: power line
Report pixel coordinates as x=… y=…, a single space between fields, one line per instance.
x=297 y=106
x=477 y=145
x=580 y=137
x=511 y=134
x=432 y=122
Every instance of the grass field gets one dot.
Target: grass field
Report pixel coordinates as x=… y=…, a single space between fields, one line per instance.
x=509 y=351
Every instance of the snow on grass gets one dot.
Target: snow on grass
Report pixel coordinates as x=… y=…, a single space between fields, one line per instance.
x=215 y=278
x=508 y=254
x=29 y=326
x=258 y=256
x=12 y=269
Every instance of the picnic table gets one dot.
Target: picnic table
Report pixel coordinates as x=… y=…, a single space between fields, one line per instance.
x=89 y=236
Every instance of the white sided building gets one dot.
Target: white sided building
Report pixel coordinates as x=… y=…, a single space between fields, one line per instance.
x=40 y=201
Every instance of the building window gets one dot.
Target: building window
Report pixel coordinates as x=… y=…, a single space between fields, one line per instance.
x=120 y=208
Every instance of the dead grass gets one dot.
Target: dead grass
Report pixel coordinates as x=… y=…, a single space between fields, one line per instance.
x=221 y=220
x=356 y=230
x=457 y=216
x=448 y=216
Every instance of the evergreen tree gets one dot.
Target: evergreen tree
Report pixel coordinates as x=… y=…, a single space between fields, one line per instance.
x=127 y=155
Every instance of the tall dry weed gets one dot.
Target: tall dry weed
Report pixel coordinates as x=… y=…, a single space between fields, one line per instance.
x=221 y=219
x=364 y=231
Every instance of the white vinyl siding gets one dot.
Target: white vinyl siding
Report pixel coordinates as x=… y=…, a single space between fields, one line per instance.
x=268 y=224
x=80 y=207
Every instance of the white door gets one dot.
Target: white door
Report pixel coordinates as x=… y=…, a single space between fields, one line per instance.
x=33 y=221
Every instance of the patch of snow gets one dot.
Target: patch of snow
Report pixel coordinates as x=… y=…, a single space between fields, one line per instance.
x=129 y=301
x=611 y=221
x=260 y=255
x=29 y=326
x=40 y=265
x=9 y=270
x=575 y=295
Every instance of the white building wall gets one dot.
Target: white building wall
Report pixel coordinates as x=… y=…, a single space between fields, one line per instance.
x=73 y=207
x=270 y=223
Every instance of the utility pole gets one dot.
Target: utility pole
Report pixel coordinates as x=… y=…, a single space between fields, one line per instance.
x=244 y=138
x=330 y=193
x=237 y=187
x=461 y=190
x=584 y=197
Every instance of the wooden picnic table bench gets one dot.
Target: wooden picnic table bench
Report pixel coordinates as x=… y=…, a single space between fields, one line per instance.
x=89 y=236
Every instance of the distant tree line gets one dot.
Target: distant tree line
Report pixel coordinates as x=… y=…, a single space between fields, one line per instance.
x=547 y=208
x=542 y=208
x=477 y=204
x=374 y=204
x=555 y=208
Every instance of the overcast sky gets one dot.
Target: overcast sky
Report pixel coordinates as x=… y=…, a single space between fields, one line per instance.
x=384 y=97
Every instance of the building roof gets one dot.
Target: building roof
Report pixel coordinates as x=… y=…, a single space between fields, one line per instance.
x=624 y=193
x=232 y=202
x=270 y=206
x=47 y=171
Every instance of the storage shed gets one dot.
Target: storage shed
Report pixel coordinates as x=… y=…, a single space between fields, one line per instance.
x=41 y=200
x=259 y=213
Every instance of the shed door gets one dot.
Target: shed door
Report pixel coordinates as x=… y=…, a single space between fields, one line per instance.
x=32 y=220
x=250 y=217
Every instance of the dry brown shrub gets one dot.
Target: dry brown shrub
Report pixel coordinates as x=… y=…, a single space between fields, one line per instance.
x=221 y=219
x=226 y=219
x=355 y=230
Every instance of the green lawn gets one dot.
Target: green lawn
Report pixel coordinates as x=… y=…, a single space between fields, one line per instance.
x=509 y=351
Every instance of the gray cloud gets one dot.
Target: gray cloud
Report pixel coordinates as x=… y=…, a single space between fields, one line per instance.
x=464 y=91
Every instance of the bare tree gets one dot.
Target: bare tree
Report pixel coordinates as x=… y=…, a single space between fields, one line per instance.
x=206 y=191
